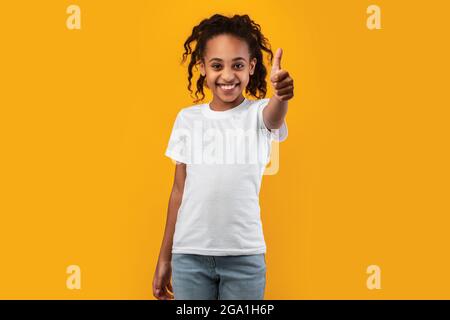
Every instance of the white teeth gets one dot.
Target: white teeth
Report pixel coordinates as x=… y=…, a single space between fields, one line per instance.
x=227 y=87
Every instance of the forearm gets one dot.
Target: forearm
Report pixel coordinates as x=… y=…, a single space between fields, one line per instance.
x=275 y=113
x=165 y=254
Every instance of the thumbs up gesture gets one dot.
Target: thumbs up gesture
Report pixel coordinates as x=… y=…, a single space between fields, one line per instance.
x=282 y=83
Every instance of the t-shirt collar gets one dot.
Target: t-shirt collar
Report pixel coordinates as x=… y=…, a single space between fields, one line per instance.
x=208 y=112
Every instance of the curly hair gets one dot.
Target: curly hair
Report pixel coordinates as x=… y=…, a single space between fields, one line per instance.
x=243 y=28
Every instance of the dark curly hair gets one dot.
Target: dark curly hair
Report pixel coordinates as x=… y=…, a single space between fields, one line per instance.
x=240 y=26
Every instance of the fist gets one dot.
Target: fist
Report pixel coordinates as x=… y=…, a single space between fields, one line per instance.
x=282 y=83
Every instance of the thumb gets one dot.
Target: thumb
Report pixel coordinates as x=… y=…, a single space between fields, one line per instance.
x=277 y=61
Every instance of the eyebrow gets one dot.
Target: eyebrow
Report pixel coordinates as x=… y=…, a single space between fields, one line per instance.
x=218 y=59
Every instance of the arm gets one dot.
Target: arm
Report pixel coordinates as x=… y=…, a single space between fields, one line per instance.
x=176 y=195
x=274 y=113
x=163 y=273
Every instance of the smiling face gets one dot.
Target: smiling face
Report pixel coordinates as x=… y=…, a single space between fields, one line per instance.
x=227 y=67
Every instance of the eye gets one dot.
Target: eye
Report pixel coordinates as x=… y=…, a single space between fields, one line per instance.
x=216 y=66
x=239 y=64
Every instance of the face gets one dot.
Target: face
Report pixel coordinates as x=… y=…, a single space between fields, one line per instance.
x=227 y=67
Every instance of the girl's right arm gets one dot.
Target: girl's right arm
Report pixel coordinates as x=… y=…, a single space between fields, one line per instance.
x=163 y=273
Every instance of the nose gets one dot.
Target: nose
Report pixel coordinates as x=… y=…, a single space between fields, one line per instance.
x=228 y=75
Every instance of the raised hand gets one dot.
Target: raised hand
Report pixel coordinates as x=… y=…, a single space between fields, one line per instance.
x=282 y=83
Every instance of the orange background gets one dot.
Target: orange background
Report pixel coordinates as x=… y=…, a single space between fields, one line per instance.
x=86 y=116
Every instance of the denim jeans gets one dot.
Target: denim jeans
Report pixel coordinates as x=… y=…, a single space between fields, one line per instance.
x=202 y=277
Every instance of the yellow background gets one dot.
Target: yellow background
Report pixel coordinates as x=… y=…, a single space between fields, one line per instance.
x=86 y=116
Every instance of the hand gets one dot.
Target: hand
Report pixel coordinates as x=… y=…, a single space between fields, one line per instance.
x=161 y=281
x=282 y=83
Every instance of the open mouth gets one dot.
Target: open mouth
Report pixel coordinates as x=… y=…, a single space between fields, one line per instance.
x=227 y=87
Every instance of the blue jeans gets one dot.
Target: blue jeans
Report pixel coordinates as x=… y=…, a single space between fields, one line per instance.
x=202 y=277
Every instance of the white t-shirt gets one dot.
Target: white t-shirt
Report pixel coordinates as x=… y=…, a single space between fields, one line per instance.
x=225 y=153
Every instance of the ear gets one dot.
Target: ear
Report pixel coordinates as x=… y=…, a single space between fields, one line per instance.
x=253 y=65
x=202 y=68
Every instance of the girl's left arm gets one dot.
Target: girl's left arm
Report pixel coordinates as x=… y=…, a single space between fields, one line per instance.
x=283 y=86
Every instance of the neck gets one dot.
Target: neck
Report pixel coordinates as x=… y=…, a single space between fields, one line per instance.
x=219 y=105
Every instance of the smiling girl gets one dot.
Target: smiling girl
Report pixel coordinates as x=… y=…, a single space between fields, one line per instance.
x=213 y=245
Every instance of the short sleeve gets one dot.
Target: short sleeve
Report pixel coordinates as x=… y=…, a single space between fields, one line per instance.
x=278 y=135
x=179 y=146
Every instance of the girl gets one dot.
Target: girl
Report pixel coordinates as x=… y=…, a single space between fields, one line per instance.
x=213 y=240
